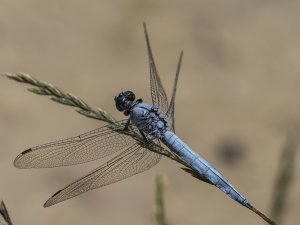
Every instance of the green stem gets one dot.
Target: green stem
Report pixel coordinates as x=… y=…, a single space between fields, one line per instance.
x=284 y=175
x=160 y=208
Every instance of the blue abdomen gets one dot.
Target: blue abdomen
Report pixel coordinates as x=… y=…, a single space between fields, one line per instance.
x=202 y=167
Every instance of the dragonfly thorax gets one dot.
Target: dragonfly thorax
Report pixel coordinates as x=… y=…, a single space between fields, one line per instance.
x=148 y=119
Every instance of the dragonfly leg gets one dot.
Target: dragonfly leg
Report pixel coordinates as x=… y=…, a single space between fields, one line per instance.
x=144 y=136
x=147 y=139
x=139 y=100
x=127 y=125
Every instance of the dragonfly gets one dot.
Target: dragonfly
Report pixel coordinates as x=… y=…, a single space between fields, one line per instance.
x=151 y=124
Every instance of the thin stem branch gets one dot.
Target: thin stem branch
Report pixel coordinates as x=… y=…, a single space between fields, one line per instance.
x=160 y=206
x=45 y=88
x=285 y=174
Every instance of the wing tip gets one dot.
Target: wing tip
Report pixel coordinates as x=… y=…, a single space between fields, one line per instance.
x=17 y=161
x=50 y=201
x=46 y=205
x=147 y=38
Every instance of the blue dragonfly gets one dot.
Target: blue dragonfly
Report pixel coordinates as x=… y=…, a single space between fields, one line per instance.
x=152 y=124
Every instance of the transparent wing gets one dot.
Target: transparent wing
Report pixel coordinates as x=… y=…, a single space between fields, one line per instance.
x=133 y=160
x=158 y=94
x=170 y=112
x=90 y=146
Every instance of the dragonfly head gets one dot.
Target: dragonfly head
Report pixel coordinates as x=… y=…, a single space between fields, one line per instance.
x=124 y=101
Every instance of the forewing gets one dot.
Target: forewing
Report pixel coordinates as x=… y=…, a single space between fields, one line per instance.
x=90 y=146
x=133 y=160
x=171 y=108
x=158 y=94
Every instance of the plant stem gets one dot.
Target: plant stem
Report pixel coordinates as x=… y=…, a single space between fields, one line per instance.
x=160 y=208
x=284 y=175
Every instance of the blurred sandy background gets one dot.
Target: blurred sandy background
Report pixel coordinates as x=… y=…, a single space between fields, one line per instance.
x=239 y=92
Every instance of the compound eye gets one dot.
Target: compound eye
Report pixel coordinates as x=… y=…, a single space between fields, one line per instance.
x=130 y=95
x=119 y=102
